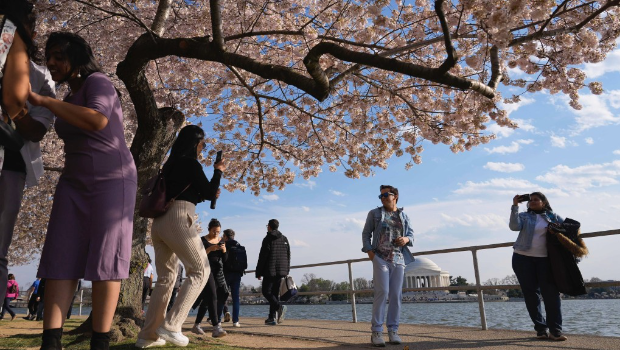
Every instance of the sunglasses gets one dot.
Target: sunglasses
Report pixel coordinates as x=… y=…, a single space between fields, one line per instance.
x=385 y=195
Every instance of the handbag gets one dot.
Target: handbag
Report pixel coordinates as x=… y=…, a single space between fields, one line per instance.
x=288 y=289
x=154 y=203
x=9 y=137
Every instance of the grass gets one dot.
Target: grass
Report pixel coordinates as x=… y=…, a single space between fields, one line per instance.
x=27 y=337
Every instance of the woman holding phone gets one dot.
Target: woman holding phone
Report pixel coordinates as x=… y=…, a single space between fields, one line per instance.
x=175 y=237
x=531 y=265
x=215 y=292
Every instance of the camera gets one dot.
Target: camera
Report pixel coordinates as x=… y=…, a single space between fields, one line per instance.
x=524 y=198
x=221 y=243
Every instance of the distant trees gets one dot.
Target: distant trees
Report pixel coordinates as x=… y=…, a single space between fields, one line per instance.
x=459 y=281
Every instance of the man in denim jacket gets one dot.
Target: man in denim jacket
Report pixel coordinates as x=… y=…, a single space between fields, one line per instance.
x=391 y=233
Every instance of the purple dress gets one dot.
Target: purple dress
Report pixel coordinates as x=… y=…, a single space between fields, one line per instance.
x=90 y=229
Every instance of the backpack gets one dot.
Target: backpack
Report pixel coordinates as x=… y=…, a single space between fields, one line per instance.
x=13 y=289
x=237 y=259
x=288 y=289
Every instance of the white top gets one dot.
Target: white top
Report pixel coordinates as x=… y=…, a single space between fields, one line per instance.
x=539 y=241
x=42 y=83
x=148 y=271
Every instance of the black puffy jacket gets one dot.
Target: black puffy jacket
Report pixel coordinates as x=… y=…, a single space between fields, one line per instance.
x=274 y=258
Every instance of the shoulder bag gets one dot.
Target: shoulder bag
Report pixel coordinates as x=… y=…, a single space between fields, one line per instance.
x=154 y=203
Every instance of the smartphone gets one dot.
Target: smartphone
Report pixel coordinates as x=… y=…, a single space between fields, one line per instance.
x=218 y=157
x=524 y=198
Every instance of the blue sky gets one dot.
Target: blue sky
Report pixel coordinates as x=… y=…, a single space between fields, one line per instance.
x=456 y=200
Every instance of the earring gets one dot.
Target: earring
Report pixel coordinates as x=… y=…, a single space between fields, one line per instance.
x=79 y=75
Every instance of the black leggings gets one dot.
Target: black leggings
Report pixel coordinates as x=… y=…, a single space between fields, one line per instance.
x=210 y=297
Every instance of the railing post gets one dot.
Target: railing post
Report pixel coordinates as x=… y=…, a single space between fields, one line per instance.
x=81 y=300
x=353 y=309
x=483 y=317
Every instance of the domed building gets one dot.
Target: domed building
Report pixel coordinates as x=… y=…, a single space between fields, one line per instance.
x=423 y=273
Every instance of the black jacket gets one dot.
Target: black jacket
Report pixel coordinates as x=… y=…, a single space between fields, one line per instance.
x=274 y=258
x=562 y=249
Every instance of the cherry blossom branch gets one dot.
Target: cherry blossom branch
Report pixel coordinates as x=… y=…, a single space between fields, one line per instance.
x=216 y=24
x=450 y=50
x=496 y=68
x=163 y=12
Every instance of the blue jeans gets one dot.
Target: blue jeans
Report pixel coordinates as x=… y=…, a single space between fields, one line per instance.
x=534 y=276
x=388 y=283
x=7 y=308
x=233 y=279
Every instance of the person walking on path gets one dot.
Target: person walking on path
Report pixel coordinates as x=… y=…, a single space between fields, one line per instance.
x=215 y=292
x=177 y=285
x=234 y=269
x=20 y=166
x=531 y=264
x=89 y=234
x=12 y=292
x=274 y=264
x=33 y=300
x=147 y=281
x=175 y=236
x=386 y=237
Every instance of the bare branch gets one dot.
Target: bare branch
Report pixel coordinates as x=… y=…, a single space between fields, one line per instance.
x=163 y=12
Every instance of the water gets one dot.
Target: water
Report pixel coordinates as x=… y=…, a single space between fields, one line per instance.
x=594 y=317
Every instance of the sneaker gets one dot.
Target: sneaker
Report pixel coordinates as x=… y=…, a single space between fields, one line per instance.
x=270 y=322
x=377 y=339
x=147 y=343
x=281 y=313
x=394 y=338
x=227 y=317
x=218 y=332
x=559 y=337
x=196 y=329
x=176 y=338
x=542 y=334
x=236 y=324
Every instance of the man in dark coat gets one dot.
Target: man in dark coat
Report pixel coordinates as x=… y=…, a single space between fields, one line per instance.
x=274 y=264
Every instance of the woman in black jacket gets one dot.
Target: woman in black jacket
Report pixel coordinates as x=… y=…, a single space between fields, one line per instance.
x=215 y=292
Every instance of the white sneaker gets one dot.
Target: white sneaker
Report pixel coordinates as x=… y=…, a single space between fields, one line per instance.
x=176 y=338
x=147 y=343
x=218 y=332
x=196 y=329
x=227 y=317
x=377 y=339
x=236 y=324
x=394 y=338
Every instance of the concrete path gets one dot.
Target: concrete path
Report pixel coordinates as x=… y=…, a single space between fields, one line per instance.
x=343 y=335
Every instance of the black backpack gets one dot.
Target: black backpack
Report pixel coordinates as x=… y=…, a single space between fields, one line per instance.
x=237 y=259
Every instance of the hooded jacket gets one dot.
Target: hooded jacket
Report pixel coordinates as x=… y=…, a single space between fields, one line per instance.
x=563 y=247
x=274 y=258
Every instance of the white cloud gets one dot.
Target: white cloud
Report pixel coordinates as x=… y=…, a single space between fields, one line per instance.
x=299 y=243
x=482 y=220
x=583 y=177
x=308 y=184
x=504 y=187
x=596 y=111
x=505 y=167
x=617 y=152
x=526 y=142
x=589 y=140
x=513 y=148
x=558 y=141
x=270 y=197
x=610 y=64
x=306 y=209
x=337 y=193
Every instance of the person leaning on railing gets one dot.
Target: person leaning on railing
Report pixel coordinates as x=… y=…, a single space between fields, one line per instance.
x=391 y=233
x=531 y=265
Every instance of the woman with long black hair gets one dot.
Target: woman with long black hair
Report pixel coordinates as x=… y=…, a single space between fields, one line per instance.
x=175 y=237
x=531 y=264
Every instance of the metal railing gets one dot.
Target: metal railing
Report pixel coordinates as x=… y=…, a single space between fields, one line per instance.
x=478 y=287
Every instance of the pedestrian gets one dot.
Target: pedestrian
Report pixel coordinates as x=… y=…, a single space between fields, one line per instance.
x=175 y=236
x=90 y=229
x=33 y=300
x=274 y=264
x=147 y=280
x=531 y=264
x=20 y=165
x=40 y=298
x=386 y=237
x=77 y=291
x=234 y=269
x=177 y=285
x=12 y=292
x=215 y=291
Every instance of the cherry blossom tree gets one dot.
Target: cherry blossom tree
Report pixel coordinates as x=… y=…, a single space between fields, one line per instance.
x=289 y=88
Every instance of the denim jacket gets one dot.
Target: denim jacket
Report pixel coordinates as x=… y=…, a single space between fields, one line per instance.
x=374 y=222
x=525 y=222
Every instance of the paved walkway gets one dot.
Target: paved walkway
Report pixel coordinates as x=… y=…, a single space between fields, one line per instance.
x=343 y=335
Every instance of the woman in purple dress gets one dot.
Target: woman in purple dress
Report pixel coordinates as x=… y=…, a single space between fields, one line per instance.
x=90 y=229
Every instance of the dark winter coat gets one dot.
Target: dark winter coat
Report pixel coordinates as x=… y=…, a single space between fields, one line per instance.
x=274 y=258
x=564 y=246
